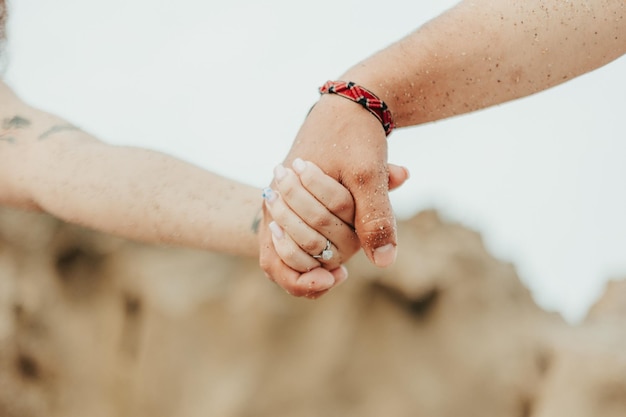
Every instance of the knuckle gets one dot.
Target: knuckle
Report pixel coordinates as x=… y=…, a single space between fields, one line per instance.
x=373 y=231
x=375 y=222
x=367 y=175
x=321 y=221
x=313 y=246
x=287 y=186
x=307 y=178
x=288 y=193
x=338 y=204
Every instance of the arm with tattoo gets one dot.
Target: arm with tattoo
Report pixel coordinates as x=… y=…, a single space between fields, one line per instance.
x=50 y=165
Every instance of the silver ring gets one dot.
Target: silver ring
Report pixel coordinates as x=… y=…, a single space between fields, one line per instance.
x=327 y=253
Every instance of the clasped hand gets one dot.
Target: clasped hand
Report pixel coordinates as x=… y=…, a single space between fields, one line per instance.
x=330 y=198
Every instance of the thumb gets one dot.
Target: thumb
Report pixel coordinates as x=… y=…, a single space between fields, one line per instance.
x=374 y=220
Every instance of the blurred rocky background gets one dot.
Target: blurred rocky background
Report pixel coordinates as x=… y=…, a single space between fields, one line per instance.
x=96 y=326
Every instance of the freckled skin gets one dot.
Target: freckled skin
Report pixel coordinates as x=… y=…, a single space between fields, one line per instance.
x=47 y=164
x=478 y=54
x=50 y=165
x=483 y=53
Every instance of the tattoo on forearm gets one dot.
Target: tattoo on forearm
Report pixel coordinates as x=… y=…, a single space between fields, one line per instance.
x=15 y=122
x=9 y=125
x=56 y=129
x=257 y=221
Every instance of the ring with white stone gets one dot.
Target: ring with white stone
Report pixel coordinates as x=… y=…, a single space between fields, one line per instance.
x=327 y=253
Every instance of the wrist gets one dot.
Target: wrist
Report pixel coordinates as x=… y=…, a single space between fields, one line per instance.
x=345 y=115
x=384 y=75
x=362 y=96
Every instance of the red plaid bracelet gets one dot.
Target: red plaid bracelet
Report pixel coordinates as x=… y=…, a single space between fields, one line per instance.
x=364 y=97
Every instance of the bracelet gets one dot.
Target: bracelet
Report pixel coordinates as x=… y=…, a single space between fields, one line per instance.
x=364 y=97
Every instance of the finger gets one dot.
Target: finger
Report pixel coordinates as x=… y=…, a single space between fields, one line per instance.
x=375 y=222
x=287 y=278
x=315 y=279
x=309 y=239
x=296 y=258
x=350 y=146
x=308 y=192
x=289 y=251
x=327 y=190
x=340 y=275
x=397 y=176
x=306 y=237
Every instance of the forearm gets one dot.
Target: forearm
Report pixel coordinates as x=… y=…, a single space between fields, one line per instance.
x=487 y=52
x=50 y=165
x=145 y=195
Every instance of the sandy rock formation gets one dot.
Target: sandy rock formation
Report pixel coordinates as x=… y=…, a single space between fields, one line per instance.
x=98 y=326
x=589 y=373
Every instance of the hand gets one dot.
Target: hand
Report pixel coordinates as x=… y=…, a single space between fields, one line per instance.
x=350 y=145
x=327 y=209
x=312 y=216
x=296 y=244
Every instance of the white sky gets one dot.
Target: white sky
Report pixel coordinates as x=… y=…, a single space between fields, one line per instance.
x=226 y=85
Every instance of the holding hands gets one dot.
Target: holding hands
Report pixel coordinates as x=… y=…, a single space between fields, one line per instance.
x=310 y=234
x=334 y=199
x=352 y=150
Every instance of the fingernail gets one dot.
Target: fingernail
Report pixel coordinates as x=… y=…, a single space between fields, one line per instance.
x=408 y=173
x=269 y=195
x=385 y=255
x=299 y=165
x=279 y=172
x=276 y=230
